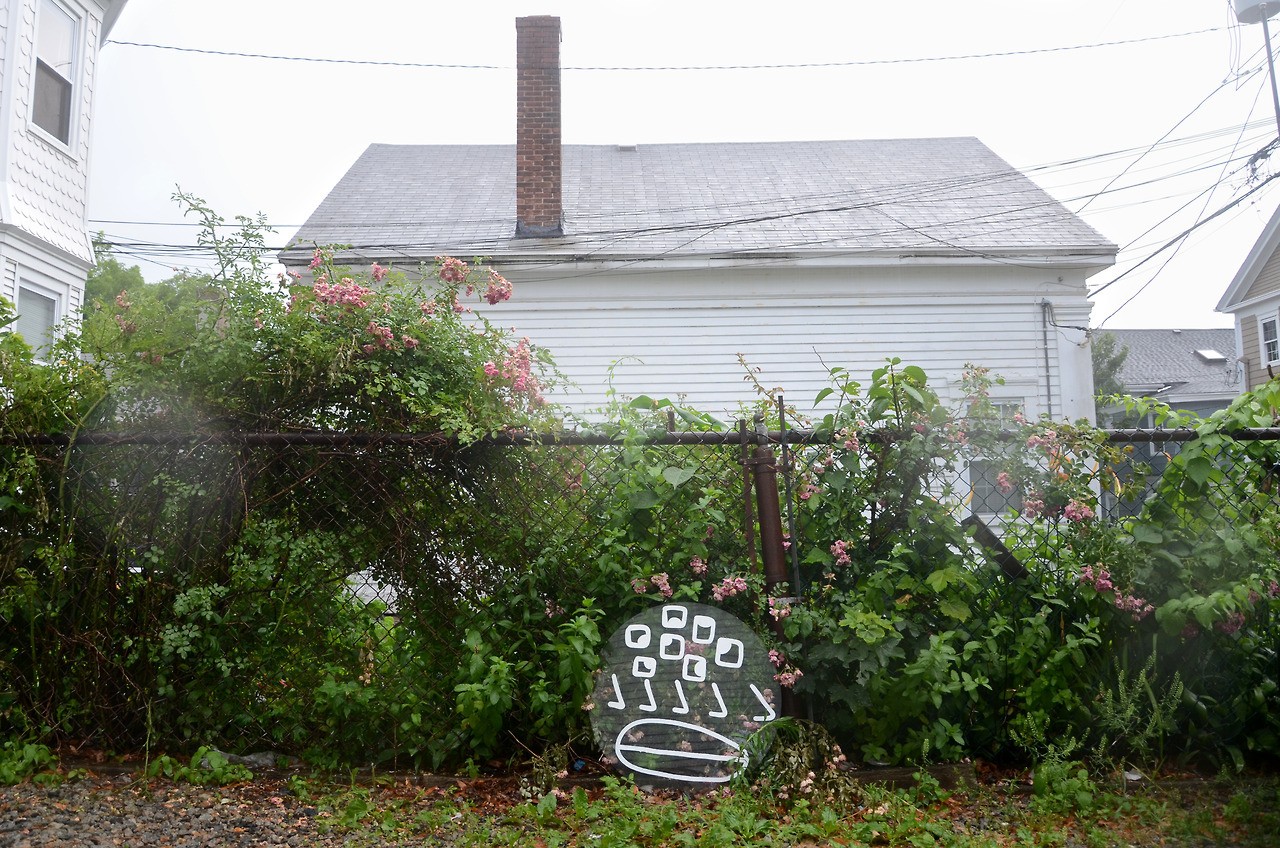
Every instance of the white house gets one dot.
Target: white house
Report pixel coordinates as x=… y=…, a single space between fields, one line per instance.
x=664 y=263
x=48 y=68
x=1253 y=299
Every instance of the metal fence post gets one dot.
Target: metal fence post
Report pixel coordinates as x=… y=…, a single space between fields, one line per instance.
x=774 y=555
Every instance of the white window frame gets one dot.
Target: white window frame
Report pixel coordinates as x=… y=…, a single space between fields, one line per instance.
x=59 y=312
x=77 y=60
x=1006 y=407
x=1273 y=356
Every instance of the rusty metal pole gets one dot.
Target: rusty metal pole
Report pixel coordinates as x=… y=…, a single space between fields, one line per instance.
x=772 y=551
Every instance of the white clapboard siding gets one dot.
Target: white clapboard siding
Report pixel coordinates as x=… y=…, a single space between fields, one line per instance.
x=678 y=336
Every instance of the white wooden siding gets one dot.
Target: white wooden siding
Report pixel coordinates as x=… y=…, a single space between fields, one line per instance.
x=48 y=184
x=678 y=335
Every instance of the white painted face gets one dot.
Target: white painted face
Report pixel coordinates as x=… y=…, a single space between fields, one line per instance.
x=681 y=688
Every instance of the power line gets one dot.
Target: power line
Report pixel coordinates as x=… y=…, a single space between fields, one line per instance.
x=761 y=67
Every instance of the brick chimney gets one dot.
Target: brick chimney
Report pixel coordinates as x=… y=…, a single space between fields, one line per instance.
x=539 y=213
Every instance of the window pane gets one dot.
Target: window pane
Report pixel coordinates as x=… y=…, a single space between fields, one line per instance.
x=57 y=39
x=37 y=315
x=55 y=67
x=1270 y=340
x=51 y=106
x=988 y=499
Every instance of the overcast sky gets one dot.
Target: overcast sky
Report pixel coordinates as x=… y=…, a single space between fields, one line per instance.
x=1182 y=113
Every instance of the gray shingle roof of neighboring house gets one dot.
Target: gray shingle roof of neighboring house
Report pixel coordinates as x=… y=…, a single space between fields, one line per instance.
x=932 y=196
x=1180 y=360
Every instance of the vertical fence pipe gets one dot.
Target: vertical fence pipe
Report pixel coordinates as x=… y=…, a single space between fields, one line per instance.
x=748 y=517
x=772 y=552
x=791 y=513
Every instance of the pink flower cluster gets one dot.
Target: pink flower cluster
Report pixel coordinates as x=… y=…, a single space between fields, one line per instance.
x=1100 y=579
x=378 y=272
x=1032 y=505
x=808 y=490
x=518 y=368
x=1231 y=623
x=824 y=462
x=840 y=550
x=453 y=271
x=729 y=587
x=1077 y=511
x=1046 y=440
x=385 y=335
x=317 y=259
x=498 y=289
x=789 y=676
x=779 y=609
x=346 y=293
x=697 y=566
x=776 y=657
x=850 y=438
x=1004 y=483
x=663 y=582
x=640 y=585
x=1138 y=607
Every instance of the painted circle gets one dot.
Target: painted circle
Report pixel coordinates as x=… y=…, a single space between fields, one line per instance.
x=679 y=707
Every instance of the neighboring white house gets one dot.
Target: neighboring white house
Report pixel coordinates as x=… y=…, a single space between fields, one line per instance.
x=48 y=67
x=1253 y=299
x=665 y=262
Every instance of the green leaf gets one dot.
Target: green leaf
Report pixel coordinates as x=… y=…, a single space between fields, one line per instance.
x=823 y=395
x=643 y=499
x=1199 y=469
x=677 y=476
x=1146 y=534
x=942 y=578
x=956 y=609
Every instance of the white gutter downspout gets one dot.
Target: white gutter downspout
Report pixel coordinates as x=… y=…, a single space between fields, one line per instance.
x=1045 y=306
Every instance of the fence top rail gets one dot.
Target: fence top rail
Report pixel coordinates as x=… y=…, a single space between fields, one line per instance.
x=512 y=439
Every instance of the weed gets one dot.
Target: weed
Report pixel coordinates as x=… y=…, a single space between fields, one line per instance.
x=207 y=766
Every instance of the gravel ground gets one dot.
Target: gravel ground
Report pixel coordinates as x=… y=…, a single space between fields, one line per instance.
x=119 y=811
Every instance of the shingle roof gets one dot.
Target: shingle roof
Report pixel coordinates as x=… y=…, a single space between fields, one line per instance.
x=1159 y=358
x=943 y=196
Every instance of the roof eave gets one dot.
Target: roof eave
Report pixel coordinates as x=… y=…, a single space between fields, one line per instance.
x=1262 y=250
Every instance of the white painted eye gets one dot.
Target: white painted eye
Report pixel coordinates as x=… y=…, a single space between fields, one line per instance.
x=672 y=647
x=695 y=668
x=674 y=617
x=704 y=629
x=637 y=636
x=723 y=648
x=644 y=667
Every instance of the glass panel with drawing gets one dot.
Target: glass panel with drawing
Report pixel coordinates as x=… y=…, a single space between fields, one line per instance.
x=681 y=689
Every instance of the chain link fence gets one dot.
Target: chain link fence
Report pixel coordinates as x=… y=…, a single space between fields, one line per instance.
x=353 y=598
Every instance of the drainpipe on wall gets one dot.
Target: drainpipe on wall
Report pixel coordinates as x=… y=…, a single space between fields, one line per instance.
x=1045 y=308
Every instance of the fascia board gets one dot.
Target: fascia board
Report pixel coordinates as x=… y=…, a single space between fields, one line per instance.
x=1262 y=250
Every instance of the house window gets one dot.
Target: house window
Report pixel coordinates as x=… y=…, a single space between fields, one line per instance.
x=984 y=472
x=52 y=99
x=38 y=315
x=1270 y=340
x=988 y=499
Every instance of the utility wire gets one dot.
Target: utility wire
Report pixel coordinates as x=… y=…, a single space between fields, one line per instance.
x=762 y=67
x=1188 y=231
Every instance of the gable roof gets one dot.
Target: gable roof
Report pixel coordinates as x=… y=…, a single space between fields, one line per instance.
x=1262 y=251
x=1167 y=359
x=919 y=197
